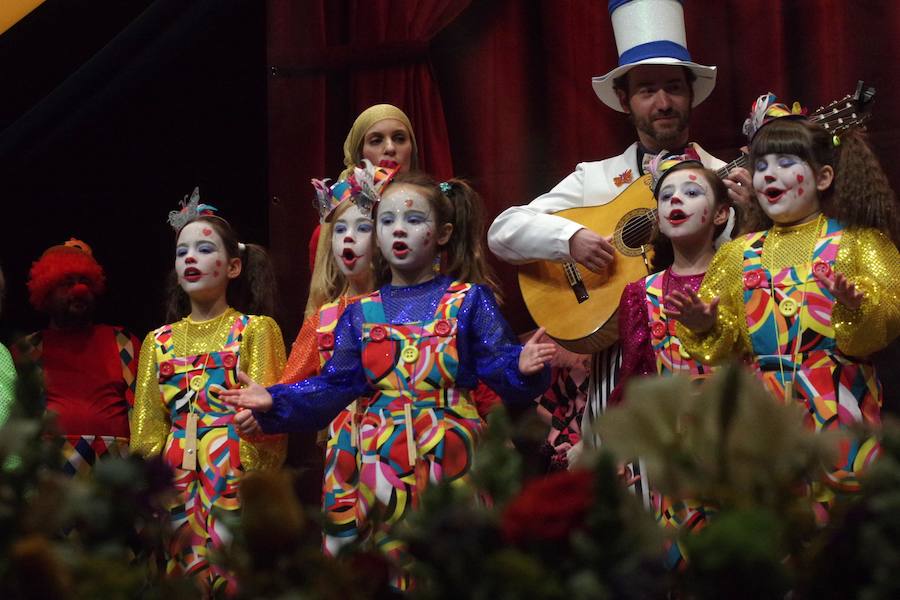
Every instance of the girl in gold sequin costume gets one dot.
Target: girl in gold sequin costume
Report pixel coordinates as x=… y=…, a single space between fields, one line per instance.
x=810 y=298
x=183 y=368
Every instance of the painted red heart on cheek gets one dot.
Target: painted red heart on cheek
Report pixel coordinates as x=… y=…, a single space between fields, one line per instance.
x=799 y=178
x=207 y=231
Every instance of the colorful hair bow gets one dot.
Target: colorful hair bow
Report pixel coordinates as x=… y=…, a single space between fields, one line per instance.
x=765 y=109
x=662 y=162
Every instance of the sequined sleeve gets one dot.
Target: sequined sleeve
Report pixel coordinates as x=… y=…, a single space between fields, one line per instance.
x=304 y=359
x=728 y=337
x=488 y=339
x=149 y=420
x=871 y=262
x=262 y=358
x=312 y=403
x=634 y=335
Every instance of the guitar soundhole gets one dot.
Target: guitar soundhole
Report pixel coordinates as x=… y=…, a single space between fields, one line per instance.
x=633 y=231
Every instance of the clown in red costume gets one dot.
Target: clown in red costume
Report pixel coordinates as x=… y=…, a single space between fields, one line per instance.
x=89 y=369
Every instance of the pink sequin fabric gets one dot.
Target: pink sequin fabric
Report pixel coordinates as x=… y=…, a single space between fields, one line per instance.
x=634 y=327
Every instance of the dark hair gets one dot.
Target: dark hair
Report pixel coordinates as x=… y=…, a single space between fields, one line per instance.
x=860 y=195
x=463 y=255
x=663 y=252
x=252 y=292
x=621 y=82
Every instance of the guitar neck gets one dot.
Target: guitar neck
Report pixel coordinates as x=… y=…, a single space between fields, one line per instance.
x=740 y=161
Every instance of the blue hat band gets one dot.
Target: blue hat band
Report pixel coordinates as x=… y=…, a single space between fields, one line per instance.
x=655 y=49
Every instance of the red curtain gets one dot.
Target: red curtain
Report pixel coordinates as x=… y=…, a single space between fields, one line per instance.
x=329 y=61
x=506 y=84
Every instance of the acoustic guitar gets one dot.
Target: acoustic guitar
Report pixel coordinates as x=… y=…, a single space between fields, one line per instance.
x=577 y=306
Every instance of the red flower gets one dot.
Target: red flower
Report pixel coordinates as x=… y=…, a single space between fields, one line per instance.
x=549 y=508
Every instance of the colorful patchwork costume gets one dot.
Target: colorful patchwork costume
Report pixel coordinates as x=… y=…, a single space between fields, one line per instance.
x=183 y=366
x=650 y=347
x=414 y=353
x=311 y=350
x=806 y=347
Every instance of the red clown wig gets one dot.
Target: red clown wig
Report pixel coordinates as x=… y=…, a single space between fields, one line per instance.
x=74 y=258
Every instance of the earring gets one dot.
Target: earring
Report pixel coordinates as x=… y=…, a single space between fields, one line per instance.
x=436 y=265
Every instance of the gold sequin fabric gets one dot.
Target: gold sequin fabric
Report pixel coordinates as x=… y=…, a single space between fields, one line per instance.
x=866 y=257
x=262 y=358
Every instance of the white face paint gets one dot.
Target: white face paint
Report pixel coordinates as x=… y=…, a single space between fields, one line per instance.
x=201 y=262
x=351 y=241
x=687 y=208
x=406 y=232
x=786 y=188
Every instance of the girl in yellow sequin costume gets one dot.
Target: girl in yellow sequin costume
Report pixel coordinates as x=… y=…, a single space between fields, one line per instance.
x=811 y=297
x=183 y=368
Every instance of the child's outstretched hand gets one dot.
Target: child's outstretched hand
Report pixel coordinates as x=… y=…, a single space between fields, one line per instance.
x=252 y=395
x=841 y=288
x=535 y=354
x=687 y=307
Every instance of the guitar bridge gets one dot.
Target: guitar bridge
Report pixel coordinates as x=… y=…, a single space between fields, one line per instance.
x=576 y=282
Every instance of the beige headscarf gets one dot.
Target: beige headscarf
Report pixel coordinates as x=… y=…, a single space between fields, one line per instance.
x=361 y=125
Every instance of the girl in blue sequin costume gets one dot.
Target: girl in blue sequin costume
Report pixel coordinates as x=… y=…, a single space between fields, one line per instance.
x=415 y=348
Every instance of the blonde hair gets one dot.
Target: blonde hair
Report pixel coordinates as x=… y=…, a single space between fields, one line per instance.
x=354 y=141
x=328 y=282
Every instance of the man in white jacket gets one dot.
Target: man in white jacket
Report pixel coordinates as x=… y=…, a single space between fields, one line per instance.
x=656 y=84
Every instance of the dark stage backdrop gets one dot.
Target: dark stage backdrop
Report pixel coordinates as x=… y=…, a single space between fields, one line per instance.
x=499 y=90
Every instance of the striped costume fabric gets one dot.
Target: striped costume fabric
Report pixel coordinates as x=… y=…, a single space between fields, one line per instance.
x=214 y=481
x=797 y=347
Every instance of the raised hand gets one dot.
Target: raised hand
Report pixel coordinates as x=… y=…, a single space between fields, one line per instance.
x=252 y=395
x=246 y=423
x=591 y=250
x=740 y=187
x=687 y=307
x=843 y=290
x=535 y=354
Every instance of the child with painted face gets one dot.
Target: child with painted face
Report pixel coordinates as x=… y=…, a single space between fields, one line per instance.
x=341 y=277
x=811 y=297
x=692 y=210
x=183 y=369
x=416 y=347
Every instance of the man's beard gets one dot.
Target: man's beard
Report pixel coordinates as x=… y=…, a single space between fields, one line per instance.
x=73 y=313
x=665 y=137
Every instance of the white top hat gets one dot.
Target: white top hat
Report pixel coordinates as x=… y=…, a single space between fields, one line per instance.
x=651 y=32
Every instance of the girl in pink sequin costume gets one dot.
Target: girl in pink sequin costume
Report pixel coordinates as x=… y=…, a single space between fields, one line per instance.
x=692 y=210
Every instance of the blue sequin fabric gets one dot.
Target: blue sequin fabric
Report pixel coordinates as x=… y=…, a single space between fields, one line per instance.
x=488 y=351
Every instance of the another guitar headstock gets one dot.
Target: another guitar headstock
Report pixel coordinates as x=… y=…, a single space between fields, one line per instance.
x=850 y=111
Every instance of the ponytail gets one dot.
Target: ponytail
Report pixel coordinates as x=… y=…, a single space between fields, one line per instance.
x=862 y=194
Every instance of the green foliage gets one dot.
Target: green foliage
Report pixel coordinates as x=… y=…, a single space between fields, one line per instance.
x=498 y=534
